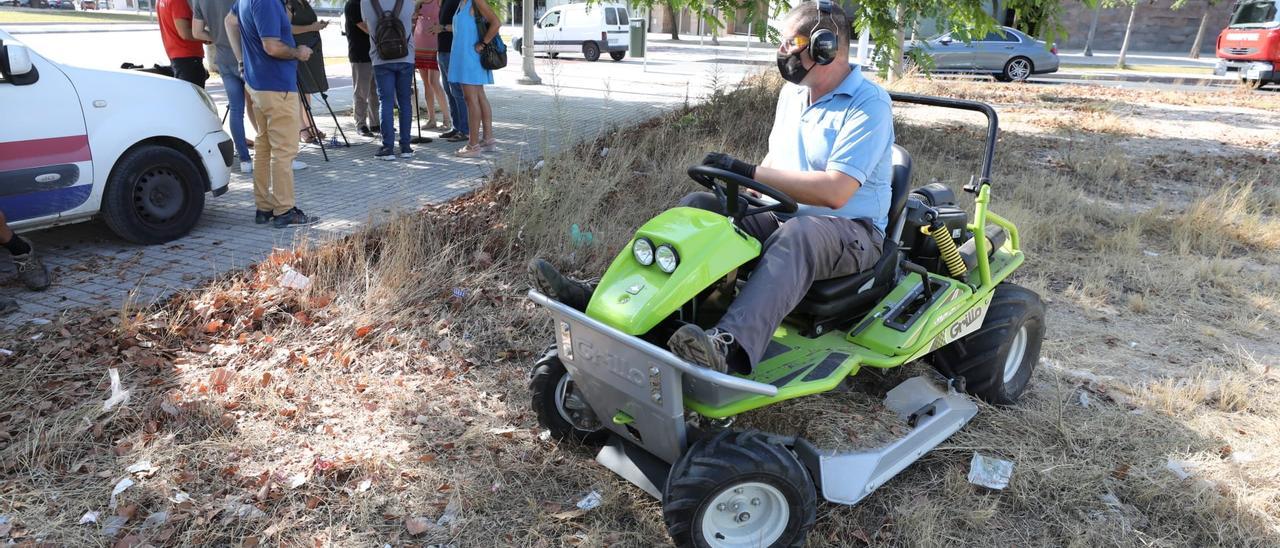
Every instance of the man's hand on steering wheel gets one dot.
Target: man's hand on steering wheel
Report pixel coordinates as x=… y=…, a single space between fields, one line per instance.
x=729 y=163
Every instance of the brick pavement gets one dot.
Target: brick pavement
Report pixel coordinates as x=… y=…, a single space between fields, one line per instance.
x=93 y=268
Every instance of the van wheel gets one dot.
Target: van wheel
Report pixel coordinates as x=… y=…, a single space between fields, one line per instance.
x=154 y=195
x=591 y=51
x=617 y=55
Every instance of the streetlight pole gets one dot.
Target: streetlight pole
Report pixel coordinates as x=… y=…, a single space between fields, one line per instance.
x=530 y=77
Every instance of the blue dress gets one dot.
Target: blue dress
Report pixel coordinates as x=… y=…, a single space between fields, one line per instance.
x=464 y=63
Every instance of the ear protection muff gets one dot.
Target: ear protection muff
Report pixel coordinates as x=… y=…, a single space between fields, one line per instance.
x=823 y=43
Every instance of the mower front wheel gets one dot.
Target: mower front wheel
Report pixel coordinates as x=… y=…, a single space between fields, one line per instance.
x=739 y=489
x=996 y=360
x=560 y=407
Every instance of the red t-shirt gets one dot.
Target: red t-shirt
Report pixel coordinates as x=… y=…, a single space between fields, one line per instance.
x=174 y=45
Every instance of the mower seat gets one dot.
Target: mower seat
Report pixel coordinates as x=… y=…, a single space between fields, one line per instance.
x=849 y=295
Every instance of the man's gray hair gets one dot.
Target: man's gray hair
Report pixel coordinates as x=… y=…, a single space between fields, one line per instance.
x=809 y=19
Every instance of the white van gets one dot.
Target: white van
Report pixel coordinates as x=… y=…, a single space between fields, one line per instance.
x=590 y=29
x=138 y=150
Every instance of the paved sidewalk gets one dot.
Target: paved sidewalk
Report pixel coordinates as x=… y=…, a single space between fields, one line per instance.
x=93 y=268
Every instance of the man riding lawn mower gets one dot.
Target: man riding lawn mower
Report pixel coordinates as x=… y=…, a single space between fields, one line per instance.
x=785 y=281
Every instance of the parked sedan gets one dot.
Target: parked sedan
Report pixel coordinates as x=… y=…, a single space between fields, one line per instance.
x=62 y=4
x=1005 y=53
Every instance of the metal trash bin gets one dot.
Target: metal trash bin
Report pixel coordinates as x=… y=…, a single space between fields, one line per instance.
x=637 y=37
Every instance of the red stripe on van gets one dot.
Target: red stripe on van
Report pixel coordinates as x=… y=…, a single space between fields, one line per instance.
x=44 y=152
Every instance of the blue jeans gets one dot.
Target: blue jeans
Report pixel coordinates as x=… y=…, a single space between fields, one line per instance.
x=457 y=105
x=394 y=82
x=234 y=86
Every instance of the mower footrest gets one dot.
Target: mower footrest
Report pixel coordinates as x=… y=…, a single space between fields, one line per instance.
x=635 y=465
x=934 y=413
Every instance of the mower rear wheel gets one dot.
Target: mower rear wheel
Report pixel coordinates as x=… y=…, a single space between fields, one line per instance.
x=996 y=361
x=560 y=408
x=738 y=489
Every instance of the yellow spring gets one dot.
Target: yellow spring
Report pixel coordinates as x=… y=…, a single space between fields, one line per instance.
x=947 y=248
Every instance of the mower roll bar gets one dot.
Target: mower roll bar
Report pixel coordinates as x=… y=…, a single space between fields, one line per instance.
x=993 y=124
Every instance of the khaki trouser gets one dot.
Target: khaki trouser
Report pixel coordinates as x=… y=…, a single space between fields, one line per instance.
x=274 y=149
x=365 y=95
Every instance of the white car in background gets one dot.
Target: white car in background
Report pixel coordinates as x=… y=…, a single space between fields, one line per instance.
x=587 y=28
x=138 y=150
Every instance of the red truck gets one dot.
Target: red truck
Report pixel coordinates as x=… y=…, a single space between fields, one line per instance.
x=1250 y=45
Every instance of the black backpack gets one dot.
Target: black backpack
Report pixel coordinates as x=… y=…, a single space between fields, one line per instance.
x=389 y=35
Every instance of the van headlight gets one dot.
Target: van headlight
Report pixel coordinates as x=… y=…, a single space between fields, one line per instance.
x=643 y=250
x=208 y=101
x=667 y=258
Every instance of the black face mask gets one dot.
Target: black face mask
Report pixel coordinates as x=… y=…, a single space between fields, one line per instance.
x=792 y=67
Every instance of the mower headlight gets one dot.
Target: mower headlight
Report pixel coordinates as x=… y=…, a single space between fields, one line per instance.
x=643 y=250
x=667 y=258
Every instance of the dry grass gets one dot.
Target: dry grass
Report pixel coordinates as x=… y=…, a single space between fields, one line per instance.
x=388 y=402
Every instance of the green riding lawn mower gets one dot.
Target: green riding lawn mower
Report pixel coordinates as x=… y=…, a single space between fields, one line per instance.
x=666 y=425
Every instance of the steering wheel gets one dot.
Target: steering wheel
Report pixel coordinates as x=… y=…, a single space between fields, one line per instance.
x=725 y=185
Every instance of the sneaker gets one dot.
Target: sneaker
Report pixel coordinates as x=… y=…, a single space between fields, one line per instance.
x=375 y=129
x=261 y=217
x=8 y=306
x=31 y=269
x=709 y=349
x=385 y=153
x=550 y=282
x=449 y=134
x=299 y=165
x=294 y=216
x=365 y=132
x=406 y=151
x=458 y=137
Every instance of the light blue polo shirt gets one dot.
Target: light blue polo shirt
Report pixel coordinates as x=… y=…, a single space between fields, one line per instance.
x=849 y=130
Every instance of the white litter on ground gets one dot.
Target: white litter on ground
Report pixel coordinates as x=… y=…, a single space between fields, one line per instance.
x=989 y=472
x=118 y=394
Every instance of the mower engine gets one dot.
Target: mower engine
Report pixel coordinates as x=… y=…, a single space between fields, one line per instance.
x=932 y=205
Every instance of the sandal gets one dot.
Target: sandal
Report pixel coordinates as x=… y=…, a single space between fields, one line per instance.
x=469 y=151
x=489 y=143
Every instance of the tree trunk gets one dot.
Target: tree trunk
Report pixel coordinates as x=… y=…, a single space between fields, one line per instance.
x=675 y=23
x=899 y=40
x=1093 y=27
x=1128 y=30
x=715 y=31
x=1204 y=19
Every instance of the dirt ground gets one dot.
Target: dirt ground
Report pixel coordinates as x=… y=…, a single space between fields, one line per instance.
x=387 y=402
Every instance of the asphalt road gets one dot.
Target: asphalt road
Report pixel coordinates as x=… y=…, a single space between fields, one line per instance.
x=108 y=46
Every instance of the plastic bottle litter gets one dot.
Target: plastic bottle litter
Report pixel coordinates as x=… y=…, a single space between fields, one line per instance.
x=989 y=472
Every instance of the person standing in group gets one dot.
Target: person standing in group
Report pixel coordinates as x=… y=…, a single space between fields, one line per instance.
x=311 y=76
x=365 y=95
x=388 y=23
x=452 y=91
x=269 y=55
x=186 y=53
x=207 y=24
x=465 y=69
x=424 y=41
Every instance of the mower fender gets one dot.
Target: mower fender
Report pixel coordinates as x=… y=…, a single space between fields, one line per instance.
x=633 y=297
